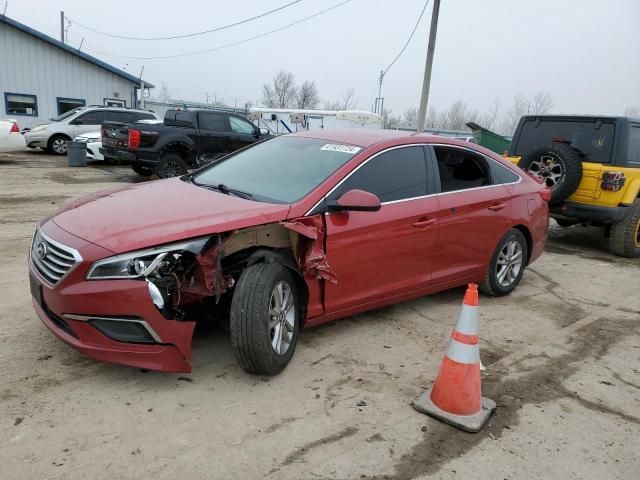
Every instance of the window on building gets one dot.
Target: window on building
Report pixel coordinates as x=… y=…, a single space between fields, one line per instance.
x=394 y=175
x=239 y=125
x=461 y=170
x=214 y=122
x=67 y=104
x=21 y=104
x=114 y=102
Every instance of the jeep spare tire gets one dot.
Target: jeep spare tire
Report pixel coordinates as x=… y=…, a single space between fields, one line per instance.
x=558 y=165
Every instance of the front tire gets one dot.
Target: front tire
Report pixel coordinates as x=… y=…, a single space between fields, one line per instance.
x=171 y=165
x=265 y=317
x=507 y=265
x=624 y=238
x=57 y=145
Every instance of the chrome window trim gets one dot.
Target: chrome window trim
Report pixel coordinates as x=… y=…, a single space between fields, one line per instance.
x=66 y=248
x=489 y=159
x=86 y=318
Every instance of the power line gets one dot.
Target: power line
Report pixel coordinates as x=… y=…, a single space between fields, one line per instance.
x=209 y=50
x=384 y=72
x=195 y=34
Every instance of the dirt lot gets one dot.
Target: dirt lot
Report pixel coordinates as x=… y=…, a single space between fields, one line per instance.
x=562 y=355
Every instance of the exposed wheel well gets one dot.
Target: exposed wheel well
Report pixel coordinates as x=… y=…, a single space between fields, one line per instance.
x=179 y=148
x=63 y=135
x=527 y=236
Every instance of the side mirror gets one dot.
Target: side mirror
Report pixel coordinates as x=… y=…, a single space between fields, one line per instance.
x=356 y=201
x=264 y=131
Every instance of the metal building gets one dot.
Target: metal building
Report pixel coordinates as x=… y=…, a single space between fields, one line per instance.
x=41 y=77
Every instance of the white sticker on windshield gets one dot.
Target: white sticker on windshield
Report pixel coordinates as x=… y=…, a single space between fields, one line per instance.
x=334 y=147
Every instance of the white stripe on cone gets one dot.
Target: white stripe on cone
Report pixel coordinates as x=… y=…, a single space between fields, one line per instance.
x=468 y=320
x=463 y=353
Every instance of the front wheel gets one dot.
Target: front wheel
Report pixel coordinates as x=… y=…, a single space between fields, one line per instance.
x=624 y=238
x=57 y=145
x=264 y=320
x=507 y=265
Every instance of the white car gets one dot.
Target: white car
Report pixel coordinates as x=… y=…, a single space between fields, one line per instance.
x=94 y=143
x=11 y=140
x=54 y=136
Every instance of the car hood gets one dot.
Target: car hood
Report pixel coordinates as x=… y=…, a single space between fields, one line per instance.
x=158 y=212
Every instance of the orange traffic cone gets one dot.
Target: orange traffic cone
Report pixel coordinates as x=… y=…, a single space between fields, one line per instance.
x=456 y=396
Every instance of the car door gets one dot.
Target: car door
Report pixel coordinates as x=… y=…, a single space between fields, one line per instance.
x=88 y=122
x=213 y=135
x=474 y=213
x=380 y=254
x=243 y=133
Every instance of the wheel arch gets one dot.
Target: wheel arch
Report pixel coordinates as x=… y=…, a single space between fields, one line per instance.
x=526 y=233
x=58 y=134
x=179 y=147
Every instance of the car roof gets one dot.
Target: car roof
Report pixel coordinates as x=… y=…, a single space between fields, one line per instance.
x=369 y=137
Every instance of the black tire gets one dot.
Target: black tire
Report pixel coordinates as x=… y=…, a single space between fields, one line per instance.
x=549 y=161
x=251 y=337
x=171 y=165
x=624 y=238
x=144 y=171
x=491 y=284
x=57 y=145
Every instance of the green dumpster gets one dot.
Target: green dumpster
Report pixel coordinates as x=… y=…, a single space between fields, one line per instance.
x=488 y=139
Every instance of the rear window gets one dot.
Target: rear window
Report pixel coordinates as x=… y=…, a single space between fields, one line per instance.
x=594 y=138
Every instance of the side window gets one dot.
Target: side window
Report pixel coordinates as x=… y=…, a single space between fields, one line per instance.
x=393 y=175
x=461 y=170
x=213 y=122
x=91 y=118
x=634 y=144
x=144 y=116
x=239 y=125
x=124 y=117
x=501 y=174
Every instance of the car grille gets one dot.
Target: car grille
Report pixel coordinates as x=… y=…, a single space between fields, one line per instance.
x=51 y=259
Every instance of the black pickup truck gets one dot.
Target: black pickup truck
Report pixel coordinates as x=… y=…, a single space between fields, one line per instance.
x=185 y=139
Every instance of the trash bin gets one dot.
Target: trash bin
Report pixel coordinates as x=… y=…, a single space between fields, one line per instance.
x=77 y=154
x=488 y=139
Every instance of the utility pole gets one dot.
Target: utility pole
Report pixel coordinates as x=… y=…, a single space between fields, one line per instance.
x=424 y=99
x=62 y=27
x=141 y=90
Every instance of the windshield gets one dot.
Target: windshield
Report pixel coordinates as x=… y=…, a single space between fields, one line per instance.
x=67 y=114
x=281 y=170
x=594 y=138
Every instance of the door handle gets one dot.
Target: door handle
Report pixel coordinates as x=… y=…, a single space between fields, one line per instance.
x=424 y=223
x=498 y=206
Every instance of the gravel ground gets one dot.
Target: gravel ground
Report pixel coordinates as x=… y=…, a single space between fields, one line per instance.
x=562 y=356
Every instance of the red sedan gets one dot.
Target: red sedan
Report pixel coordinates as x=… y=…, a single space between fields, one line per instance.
x=283 y=235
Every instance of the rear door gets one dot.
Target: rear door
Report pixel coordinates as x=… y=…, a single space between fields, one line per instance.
x=213 y=135
x=243 y=133
x=474 y=213
x=380 y=254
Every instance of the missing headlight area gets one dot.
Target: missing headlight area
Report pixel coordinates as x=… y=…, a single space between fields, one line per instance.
x=188 y=278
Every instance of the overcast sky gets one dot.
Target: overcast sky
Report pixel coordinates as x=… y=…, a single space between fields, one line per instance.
x=584 y=53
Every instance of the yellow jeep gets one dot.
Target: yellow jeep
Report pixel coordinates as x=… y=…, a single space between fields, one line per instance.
x=592 y=166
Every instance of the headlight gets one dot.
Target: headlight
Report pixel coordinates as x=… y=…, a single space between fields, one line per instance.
x=144 y=263
x=37 y=128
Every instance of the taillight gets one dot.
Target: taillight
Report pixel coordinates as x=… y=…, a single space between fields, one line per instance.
x=545 y=193
x=613 y=181
x=134 y=138
x=14 y=128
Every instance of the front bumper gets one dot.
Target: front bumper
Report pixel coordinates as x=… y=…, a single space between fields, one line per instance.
x=35 y=140
x=588 y=213
x=76 y=297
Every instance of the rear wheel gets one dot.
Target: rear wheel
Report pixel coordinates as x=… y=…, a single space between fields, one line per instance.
x=140 y=170
x=265 y=314
x=171 y=165
x=624 y=238
x=57 y=145
x=507 y=265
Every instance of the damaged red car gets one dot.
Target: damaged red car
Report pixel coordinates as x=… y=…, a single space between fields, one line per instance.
x=283 y=235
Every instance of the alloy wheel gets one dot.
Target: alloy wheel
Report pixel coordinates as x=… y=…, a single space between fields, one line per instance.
x=549 y=169
x=170 y=169
x=59 y=145
x=509 y=263
x=282 y=317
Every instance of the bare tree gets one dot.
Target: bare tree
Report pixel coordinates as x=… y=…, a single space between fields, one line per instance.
x=410 y=117
x=519 y=108
x=433 y=119
x=541 y=103
x=163 y=94
x=632 y=112
x=347 y=102
x=282 y=91
x=307 y=95
x=457 y=115
x=389 y=121
x=489 y=119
